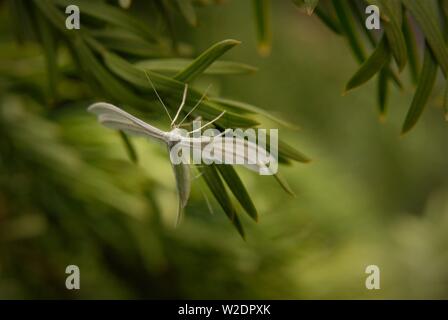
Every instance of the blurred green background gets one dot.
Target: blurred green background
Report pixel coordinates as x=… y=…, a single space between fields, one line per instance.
x=69 y=194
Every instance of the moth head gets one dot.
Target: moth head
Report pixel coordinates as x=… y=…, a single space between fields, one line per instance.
x=176 y=134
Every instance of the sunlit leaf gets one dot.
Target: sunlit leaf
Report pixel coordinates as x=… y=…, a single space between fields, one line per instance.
x=198 y=65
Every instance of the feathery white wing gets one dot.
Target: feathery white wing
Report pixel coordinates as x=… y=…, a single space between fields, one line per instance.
x=115 y=118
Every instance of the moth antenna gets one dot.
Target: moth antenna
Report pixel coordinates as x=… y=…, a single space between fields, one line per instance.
x=209 y=123
x=184 y=97
x=157 y=94
x=197 y=104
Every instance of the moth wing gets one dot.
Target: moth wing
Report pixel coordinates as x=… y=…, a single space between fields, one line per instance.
x=115 y=118
x=183 y=186
x=243 y=152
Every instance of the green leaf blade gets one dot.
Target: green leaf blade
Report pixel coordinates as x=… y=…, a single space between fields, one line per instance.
x=424 y=88
x=202 y=62
x=238 y=189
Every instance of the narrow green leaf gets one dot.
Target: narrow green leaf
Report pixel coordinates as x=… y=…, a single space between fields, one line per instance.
x=284 y=184
x=288 y=152
x=216 y=186
x=262 y=11
x=55 y=16
x=238 y=189
x=124 y=41
x=445 y=102
x=412 y=49
x=114 y=88
x=187 y=10
x=49 y=46
x=359 y=14
x=358 y=10
x=443 y=7
x=22 y=21
x=383 y=92
x=175 y=65
x=349 y=29
x=423 y=92
x=129 y=147
x=198 y=65
x=327 y=19
x=377 y=60
x=426 y=16
x=393 y=28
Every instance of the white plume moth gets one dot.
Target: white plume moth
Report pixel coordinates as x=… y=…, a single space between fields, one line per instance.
x=243 y=152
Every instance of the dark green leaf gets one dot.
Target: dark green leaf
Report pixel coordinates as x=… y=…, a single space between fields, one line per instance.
x=426 y=16
x=112 y=86
x=348 y=27
x=214 y=182
x=48 y=39
x=411 y=49
x=328 y=19
x=424 y=88
x=284 y=184
x=238 y=189
x=371 y=66
x=126 y=42
x=391 y=9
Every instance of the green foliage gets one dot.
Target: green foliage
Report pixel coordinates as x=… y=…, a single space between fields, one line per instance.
x=399 y=41
x=114 y=52
x=70 y=195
